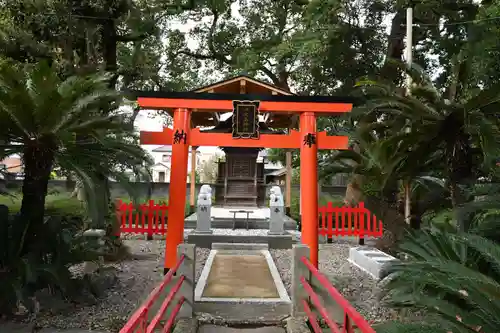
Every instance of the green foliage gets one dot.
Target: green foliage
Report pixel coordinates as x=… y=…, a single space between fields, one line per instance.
x=398 y=327
x=443 y=219
x=208 y=170
x=73 y=123
x=449 y=275
x=337 y=201
x=157 y=201
x=58 y=202
x=22 y=274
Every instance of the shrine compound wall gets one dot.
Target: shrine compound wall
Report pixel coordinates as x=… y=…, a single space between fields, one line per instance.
x=160 y=190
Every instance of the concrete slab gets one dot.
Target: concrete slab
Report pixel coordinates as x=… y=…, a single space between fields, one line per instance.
x=244 y=313
x=240 y=276
x=259 y=295
x=240 y=246
x=272 y=241
x=252 y=270
x=241 y=223
x=370 y=260
x=224 y=329
x=257 y=213
x=186 y=325
x=262 y=213
x=296 y=325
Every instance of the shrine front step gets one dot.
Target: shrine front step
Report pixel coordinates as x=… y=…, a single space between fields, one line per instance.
x=241 y=223
x=241 y=312
x=284 y=241
x=240 y=202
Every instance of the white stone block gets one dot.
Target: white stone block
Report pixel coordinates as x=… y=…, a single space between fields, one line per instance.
x=94 y=233
x=370 y=260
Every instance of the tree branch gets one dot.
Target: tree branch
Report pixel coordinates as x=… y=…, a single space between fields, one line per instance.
x=270 y=74
x=213 y=54
x=132 y=37
x=196 y=55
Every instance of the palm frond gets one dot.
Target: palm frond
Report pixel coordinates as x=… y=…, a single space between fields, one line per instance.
x=450 y=275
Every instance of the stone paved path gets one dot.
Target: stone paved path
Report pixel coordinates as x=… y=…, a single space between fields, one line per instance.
x=240 y=276
x=223 y=329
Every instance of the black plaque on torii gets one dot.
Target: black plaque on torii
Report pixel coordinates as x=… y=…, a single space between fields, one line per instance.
x=246 y=119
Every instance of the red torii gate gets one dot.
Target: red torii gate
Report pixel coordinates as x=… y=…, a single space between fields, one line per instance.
x=185 y=105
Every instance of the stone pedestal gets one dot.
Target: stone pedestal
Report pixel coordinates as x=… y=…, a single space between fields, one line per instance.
x=95 y=236
x=299 y=270
x=277 y=213
x=204 y=211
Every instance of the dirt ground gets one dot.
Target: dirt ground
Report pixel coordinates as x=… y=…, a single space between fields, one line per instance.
x=123 y=288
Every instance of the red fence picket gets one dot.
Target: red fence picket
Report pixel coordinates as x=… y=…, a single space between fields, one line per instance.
x=147 y=219
x=139 y=322
x=348 y=221
x=353 y=321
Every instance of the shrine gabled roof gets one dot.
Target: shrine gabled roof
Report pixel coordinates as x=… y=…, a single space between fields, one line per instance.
x=236 y=79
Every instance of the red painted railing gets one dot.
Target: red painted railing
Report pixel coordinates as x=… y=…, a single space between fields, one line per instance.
x=348 y=221
x=138 y=323
x=147 y=219
x=352 y=318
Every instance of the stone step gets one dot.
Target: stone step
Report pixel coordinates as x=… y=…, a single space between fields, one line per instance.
x=272 y=241
x=240 y=246
x=236 y=313
x=224 y=329
x=241 y=223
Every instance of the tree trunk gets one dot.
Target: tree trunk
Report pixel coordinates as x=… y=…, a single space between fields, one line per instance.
x=38 y=158
x=416 y=216
x=395 y=45
x=69 y=181
x=457 y=200
x=353 y=194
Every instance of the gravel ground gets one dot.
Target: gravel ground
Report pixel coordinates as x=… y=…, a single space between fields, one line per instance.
x=135 y=279
x=356 y=286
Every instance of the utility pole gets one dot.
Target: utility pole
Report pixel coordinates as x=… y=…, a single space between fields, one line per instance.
x=409 y=61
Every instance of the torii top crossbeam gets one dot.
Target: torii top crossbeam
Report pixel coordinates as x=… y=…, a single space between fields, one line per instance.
x=204 y=102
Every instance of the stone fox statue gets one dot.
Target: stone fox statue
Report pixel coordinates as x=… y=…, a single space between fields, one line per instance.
x=205 y=196
x=275 y=197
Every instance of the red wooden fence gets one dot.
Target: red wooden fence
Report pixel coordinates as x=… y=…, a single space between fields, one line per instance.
x=151 y=218
x=147 y=219
x=352 y=318
x=348 y=221
x=139 y=322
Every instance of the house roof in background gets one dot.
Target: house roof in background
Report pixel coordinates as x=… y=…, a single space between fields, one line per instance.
x=164 y=149
x=161 y=164
x=279 y=172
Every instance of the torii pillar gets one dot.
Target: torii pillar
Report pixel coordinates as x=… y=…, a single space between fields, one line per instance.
x=309 y=184
x=177 y=190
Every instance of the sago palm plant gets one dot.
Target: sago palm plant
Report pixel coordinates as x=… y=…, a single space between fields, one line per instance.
x=453 y=277
x=462 y=136
x=74 y=123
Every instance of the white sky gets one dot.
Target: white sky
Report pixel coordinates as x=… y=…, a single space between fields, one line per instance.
x=145 y=120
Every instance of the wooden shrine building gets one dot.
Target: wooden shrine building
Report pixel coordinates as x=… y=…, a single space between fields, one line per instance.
x=261 y=116
x=240 y=179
